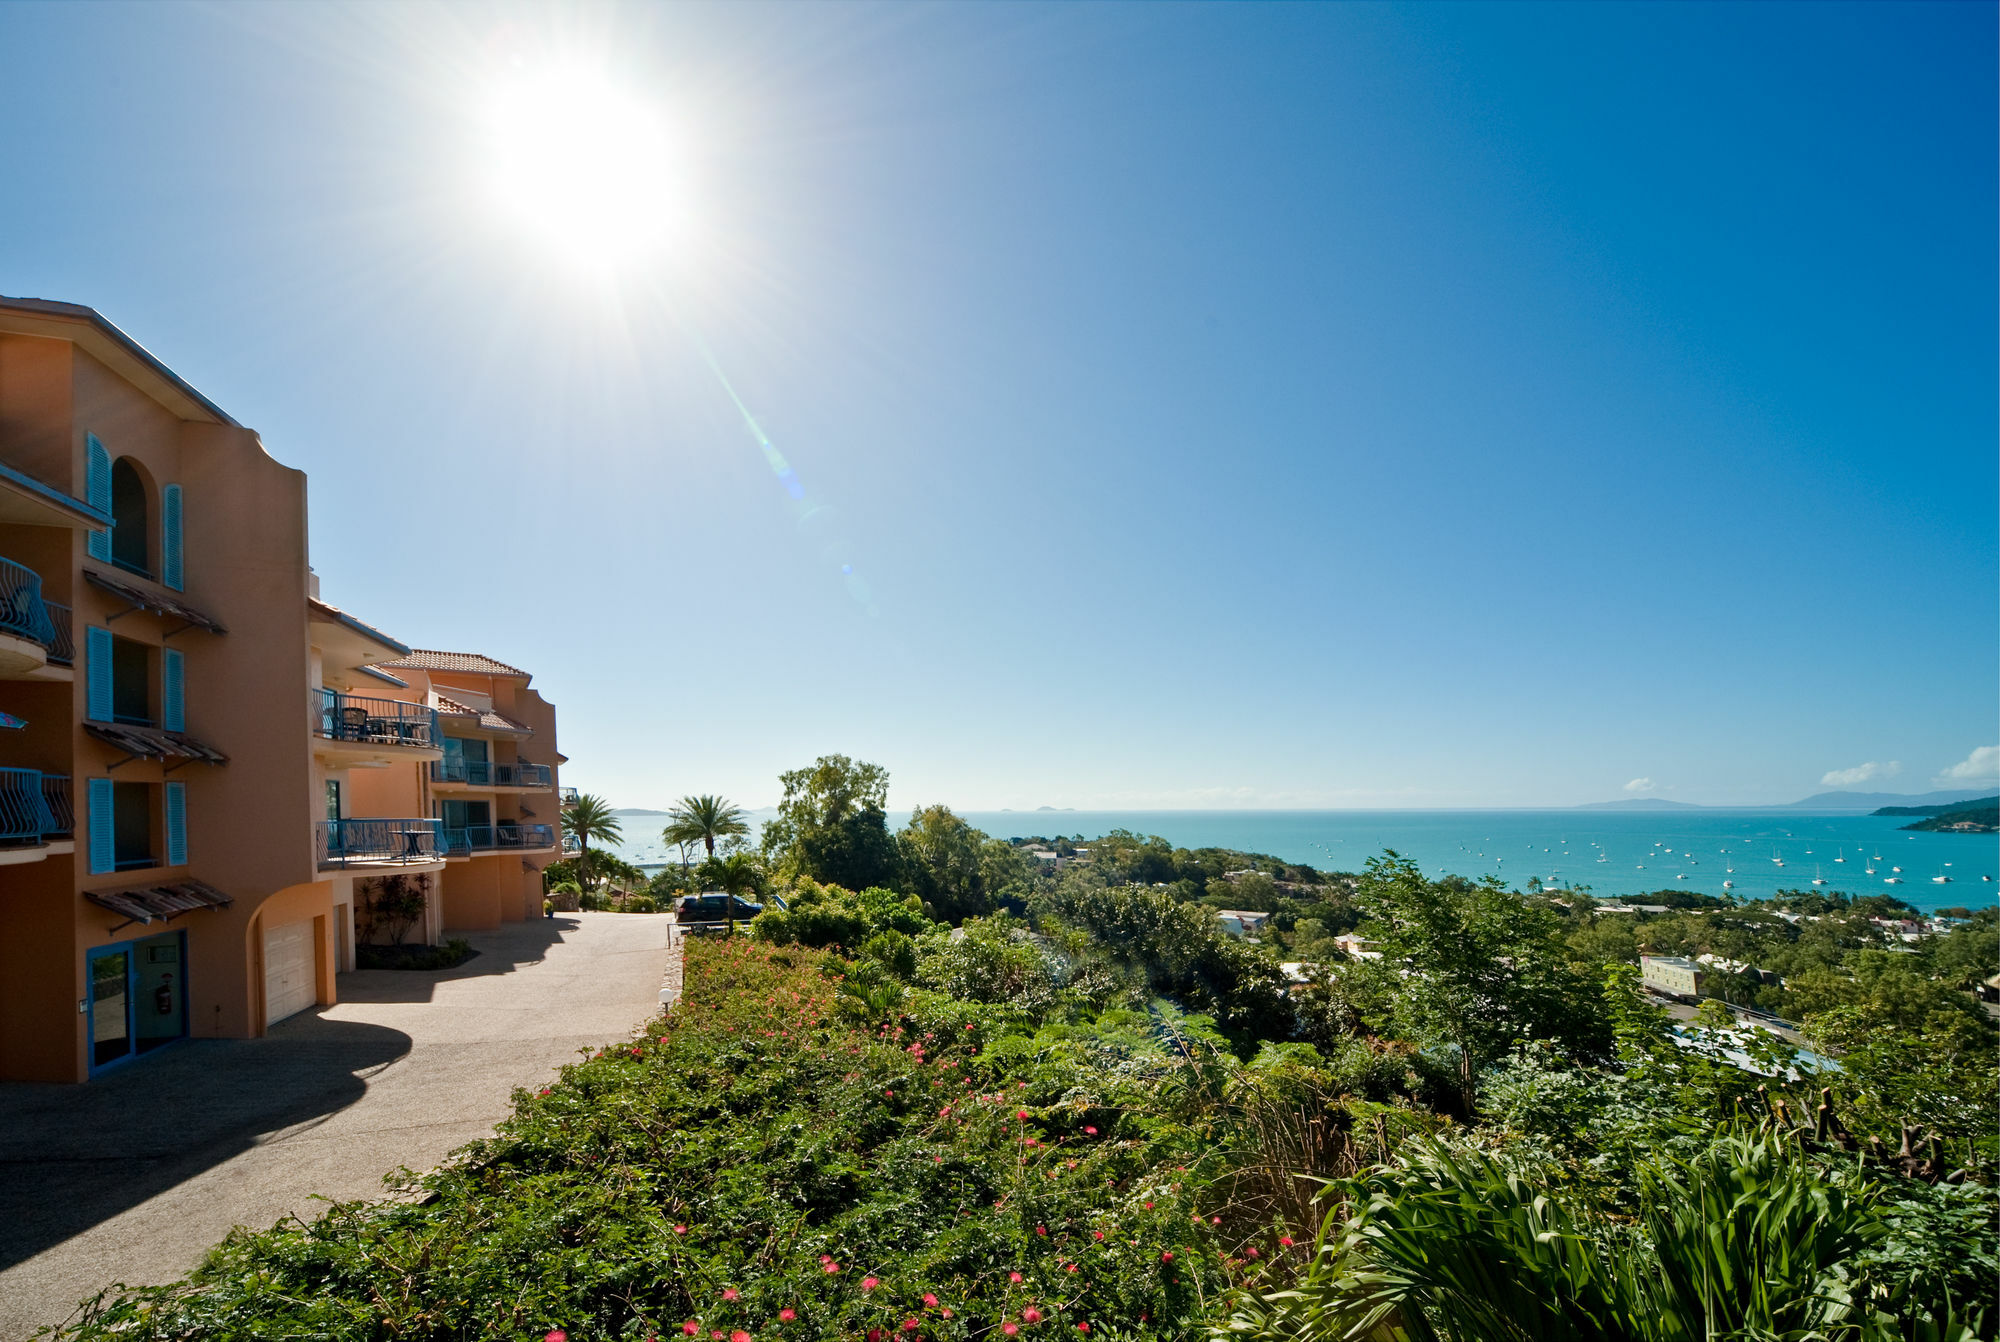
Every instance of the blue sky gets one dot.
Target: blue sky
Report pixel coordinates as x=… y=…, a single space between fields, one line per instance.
x=1185 y=407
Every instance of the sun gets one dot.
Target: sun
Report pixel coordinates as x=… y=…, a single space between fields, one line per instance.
x=584 y=165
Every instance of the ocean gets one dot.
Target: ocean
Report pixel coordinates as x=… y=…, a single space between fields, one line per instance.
x=1610 y=852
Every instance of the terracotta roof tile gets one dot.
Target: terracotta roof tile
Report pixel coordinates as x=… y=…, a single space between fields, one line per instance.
x=430 y=659
x=490 y=720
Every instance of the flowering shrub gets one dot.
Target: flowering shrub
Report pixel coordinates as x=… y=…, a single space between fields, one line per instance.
x=761 y=1165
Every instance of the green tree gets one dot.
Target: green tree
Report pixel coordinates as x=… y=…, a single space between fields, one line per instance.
x=589 y=818
x=1477 y=971
x=943 y=863
x=703 y=820
x=738 y=874
x=830 y=825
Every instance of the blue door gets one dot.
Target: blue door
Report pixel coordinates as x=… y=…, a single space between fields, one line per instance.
x=138 y=997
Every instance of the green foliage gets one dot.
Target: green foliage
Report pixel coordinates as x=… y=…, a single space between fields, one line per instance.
x=1748 y=1239
x=828 y=915
x=943 y=863
x=453 y=953
x=830 y=825
x=589 y=818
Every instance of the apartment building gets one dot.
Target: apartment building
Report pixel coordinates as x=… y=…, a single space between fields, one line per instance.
x=184 y=852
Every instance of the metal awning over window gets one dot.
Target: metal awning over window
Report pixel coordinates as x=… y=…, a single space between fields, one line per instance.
x=158 y=602
x=162 y=903
x=154 y=743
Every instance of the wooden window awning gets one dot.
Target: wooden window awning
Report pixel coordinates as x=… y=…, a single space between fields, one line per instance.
x=154 y=743
x=162 y=903
x=154 y=600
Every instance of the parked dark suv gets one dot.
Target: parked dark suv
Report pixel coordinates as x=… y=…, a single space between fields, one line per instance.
x=698 y=914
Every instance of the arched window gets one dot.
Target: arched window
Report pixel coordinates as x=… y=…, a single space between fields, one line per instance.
x=131 y=537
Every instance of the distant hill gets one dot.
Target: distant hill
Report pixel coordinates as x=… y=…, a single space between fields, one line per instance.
x=1870 y=801
x=1938 y=808
x=636 y=810
x=1980 y=817
x=1641 y=804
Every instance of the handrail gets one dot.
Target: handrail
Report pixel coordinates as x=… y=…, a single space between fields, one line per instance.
x=62 y=648
x=22 y=610
x=24 y=816
x=375 y=842
x=62 y=813
x=381 y=722
x=490 y=773
x=489 y=838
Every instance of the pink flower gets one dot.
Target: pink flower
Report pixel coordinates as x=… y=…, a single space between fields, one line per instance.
x=691 y=1328
x=889 y=1093
x=680 y=1230
x=870 y=1283
x=1285 y=1240
x=556 y=1335
x=1069 y=1267
x=829 y=1268
x=1031 y=1315
x=1022 y=1115
x=1083 y=1327
x=729 y=1293
x=1014 y=1277
x=1250 y=1252
x=1088 y=1132
x=937 y=1160
x=1167 y=1257
x=874 y=1335
x=1011 y=1329
x=1097 y=1234
x=786 y=1315
x=1149 y=1206
x=947 y=1311
x=739 y=1336
x=930 y=1300
x=909 y=1325
x=1043 y=1231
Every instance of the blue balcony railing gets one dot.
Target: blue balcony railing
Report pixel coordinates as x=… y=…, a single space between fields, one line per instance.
x=62 y=814
x=25 y=817
x=375 y=722
x=346 y=843
x=23 y=613
x=566 y=795
x=489 y=838
x=62 y=649
x=488 y=773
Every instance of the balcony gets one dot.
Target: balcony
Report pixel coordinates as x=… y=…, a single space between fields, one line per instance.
x=405 y=842
x=31 y=635
x=566 y=796
x=352 y=730
x=490 y=774
x=497 y=838
x=29 y=822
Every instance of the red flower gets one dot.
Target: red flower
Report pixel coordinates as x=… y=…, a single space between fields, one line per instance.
x=1167 y=1257
x=930 y=1300
x=556 y=1335
x=869 y=1283
x=1070 y=1267
x=1014 y=1277
x=888 y=1093
x=1285 y=1240
x=1088 y=1132
x=691 y=1328
x=1043 y=1231
x=829 y=1268
x=909 y=1325
x=874 y=1335
x=1083 y=1327
x=1022 y=1114
x=739 y=1336
x=680 y=1230
x=786 y=1316
x=1097 y=1234
x=1250 y=1252
x=1011 y=1329
x=729 y=1293
x=1149 y=1206
x=1031 y=1314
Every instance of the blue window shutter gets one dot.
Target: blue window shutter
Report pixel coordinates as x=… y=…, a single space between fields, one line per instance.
x=170 y=536
x=97 y=492
x=103 y=849
x=173 y=690
x=177 y=825
x=97 y=673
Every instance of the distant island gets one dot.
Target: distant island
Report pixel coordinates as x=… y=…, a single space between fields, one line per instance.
x=636 y=810
x=1876 y=803
x=1975 y=817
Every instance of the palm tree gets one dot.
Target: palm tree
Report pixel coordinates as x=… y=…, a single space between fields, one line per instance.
x=705 y=819
x=589 y=817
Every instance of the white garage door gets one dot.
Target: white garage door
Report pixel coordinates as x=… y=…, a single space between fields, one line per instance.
x=288 y=971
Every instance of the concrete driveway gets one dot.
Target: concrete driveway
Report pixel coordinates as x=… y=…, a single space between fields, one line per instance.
x=133 y=1177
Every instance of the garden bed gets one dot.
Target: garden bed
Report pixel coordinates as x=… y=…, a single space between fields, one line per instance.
x=448 y=956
